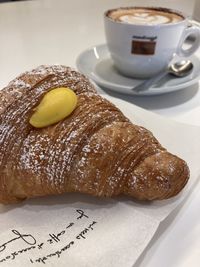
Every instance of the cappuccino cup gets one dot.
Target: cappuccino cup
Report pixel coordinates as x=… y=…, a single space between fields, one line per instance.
x=143 y=40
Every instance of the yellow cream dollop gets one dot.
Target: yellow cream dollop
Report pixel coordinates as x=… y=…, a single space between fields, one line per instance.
x=56 y=105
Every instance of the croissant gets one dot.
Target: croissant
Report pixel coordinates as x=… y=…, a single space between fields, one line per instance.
x=95 y=150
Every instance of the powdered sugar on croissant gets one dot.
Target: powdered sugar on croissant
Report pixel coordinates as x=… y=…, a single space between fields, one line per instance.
x=96 y=150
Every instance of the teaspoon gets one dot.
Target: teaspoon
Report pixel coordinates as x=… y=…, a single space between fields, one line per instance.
x=179 y=69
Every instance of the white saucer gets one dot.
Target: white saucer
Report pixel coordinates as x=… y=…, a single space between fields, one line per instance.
x=97 y=65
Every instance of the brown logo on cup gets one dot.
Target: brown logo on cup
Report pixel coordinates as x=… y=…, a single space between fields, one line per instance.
x=143 y=45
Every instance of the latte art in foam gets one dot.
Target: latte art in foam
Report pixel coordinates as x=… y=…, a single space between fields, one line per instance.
x=144 y=16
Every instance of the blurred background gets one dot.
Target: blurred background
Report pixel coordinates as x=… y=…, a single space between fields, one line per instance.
x=184 y=5
x=57 y=31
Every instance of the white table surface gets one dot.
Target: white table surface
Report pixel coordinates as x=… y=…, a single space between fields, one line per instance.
x=48 y=32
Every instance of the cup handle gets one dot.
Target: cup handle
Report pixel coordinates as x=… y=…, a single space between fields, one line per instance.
x=195 y=31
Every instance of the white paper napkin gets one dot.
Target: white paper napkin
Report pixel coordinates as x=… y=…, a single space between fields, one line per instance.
x=75 y=230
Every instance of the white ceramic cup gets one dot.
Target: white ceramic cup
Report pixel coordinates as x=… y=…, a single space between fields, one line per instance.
x=157 y=44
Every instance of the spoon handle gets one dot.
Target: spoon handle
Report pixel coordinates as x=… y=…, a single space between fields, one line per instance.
x=144 y=86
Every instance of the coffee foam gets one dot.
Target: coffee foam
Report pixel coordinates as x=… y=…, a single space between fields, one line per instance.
x=144 y=16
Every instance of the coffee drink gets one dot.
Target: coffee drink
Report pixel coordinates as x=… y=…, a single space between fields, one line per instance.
x=142 y=41
x=144 y=16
